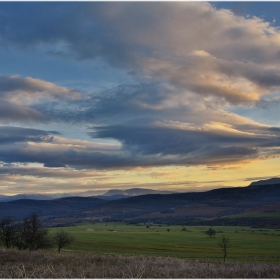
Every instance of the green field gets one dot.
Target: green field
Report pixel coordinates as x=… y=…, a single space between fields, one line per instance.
x=245 y=243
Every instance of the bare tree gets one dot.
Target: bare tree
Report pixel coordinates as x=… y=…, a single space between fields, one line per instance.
x=7 y=231
x=62 y=239
x=211 y=232
x=31 y=234
x=19 y=237
x=224 y=244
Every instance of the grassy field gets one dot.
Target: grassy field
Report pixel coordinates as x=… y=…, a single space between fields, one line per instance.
x=246 y=244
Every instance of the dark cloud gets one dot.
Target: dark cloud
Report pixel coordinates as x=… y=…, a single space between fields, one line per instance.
x=141 y=146
x=188 y=145
x=52 y=156
x=11 y=134
x=79 y=25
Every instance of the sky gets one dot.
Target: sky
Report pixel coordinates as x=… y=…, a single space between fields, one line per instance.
x=179 y=96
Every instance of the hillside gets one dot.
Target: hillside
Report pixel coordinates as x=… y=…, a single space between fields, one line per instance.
x=190 y=208
x=50 y=209
x=218 y=206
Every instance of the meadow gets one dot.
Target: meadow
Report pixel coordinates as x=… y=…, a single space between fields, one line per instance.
x=187 y=242
x=119 y=250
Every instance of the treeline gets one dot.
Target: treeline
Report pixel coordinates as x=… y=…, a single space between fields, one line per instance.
x=29 y=234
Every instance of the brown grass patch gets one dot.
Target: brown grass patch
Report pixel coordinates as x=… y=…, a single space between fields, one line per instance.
x=43 y=264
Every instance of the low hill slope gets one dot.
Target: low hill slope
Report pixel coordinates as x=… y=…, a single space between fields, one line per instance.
x=210 y=207
x=182 y=207
x=19 y=209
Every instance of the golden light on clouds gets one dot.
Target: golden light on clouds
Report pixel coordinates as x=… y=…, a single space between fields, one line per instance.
x=168 y=95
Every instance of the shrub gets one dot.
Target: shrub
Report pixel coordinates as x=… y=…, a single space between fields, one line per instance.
x=42 y=264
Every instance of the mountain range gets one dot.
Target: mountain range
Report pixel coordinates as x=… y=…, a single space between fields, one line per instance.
x=255 y=205
x=109 y=195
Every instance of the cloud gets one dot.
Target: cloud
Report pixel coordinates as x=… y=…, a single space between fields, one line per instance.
x=13 y=112
x=191 y=45
x=158 y=145
x=9 y=134
x=191 y=65
x=43 y=172
x=206 y=145
x=23 y=145
x=29 y=90
x=121 y=31
x=20 y=96
x=236 y=82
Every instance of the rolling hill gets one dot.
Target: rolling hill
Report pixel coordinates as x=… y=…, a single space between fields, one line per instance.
x=48 y=209
x=196 y=208
x=225 y=206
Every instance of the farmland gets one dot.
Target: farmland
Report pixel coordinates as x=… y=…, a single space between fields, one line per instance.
x=120 y=250
x=189 y=242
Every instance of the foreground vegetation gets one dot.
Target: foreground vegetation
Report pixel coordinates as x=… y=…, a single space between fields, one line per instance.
x=30 y=234
x=45 y=264
x=229 y=243
x=188 y=242
x=119 y=250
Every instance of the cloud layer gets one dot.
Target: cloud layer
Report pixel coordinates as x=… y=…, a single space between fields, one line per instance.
x=190 y=64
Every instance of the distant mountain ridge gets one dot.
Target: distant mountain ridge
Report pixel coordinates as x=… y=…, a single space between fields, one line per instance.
x=113 y=194
x=135 y=192
x=211 y=207
x=109 y=195
x=5 y=198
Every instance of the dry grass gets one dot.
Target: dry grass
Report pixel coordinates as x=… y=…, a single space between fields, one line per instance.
x=38 y=264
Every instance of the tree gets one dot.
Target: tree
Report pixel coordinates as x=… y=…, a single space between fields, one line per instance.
x=224 y=244
x=211 y=232
x=7 y=231
x=62 y=239
x=31 y=235
x=19 y=237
